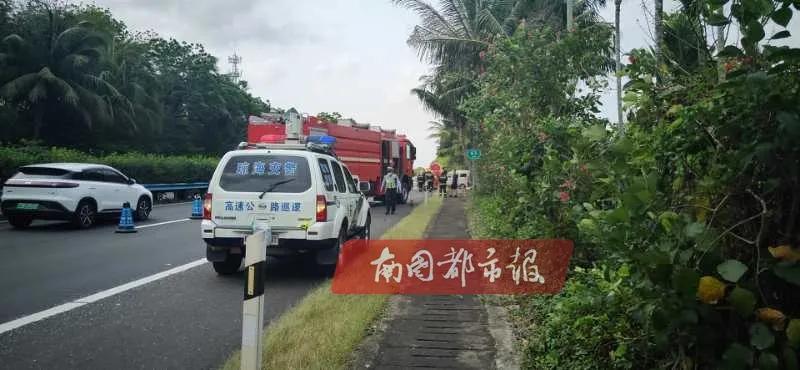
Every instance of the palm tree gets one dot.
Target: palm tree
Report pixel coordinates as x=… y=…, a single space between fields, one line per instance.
x=455 y=34
x=62 y=72
x=448 y=140
x=441 y=95
x=135 y=79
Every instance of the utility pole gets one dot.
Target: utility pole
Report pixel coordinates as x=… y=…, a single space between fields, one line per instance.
x=570 y=19
x=659 y=33
x=720 y=34
x=617 y=37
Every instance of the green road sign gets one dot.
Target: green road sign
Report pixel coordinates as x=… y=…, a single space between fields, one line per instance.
x=473 y=154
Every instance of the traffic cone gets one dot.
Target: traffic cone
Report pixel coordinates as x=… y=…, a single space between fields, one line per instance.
x=197 y=208
x=126 y=220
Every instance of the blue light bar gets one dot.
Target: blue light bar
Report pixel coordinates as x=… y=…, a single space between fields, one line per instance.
x=322 y=139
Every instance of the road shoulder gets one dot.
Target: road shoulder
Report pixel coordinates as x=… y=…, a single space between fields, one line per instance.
x=440 y=331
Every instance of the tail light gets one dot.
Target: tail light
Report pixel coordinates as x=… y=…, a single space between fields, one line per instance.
x=322 y=208
x=207 y=207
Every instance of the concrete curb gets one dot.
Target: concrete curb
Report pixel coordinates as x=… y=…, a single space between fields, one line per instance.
x=506 y=357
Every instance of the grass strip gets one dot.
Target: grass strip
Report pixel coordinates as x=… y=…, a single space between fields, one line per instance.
x=323 y=330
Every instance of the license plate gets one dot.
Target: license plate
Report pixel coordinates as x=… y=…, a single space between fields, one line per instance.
x=27 y=206
x=274 y=240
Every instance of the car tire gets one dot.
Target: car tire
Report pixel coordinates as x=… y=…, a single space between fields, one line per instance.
x=85 y=215
x=230 y=265
x=329 y=257
x=20 y=222
x=143 y=208
x=365 y=232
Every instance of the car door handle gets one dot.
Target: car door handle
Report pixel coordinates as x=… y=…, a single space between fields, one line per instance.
x=92 y=188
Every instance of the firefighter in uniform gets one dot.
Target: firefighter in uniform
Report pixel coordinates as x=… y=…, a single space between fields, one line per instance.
x=443 y=183
x=428 y=181
x=389 y=185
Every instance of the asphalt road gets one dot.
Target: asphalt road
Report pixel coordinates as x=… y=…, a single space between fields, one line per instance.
x=191 y=319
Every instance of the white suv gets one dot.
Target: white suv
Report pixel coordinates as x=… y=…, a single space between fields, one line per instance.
x=308 y=197
x=76 y=192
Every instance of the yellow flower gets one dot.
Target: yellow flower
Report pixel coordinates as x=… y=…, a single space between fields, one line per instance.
x=771 y=316
x=710 y=290
x=785 y=253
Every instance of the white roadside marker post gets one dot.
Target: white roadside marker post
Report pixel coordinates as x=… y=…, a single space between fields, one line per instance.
x=253 y=308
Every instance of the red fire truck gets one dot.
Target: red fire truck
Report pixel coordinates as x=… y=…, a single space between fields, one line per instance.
x=366 y=149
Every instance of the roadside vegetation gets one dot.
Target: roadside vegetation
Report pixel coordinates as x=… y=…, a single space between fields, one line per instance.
x=77 y=69
x=324 y=329
x=685 y=216
x=146 y=168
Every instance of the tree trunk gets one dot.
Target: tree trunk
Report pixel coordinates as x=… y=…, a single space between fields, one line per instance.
x=618 y=36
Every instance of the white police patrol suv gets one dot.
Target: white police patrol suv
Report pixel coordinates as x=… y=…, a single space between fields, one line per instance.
x=307 y=195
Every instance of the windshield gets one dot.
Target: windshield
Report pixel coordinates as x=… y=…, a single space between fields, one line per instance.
x=266 y=173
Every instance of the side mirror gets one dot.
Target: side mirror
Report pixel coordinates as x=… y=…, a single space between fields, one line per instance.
x=131 y=181
x=364 y=186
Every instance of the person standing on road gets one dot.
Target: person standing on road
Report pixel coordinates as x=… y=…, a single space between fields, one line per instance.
x=428 y=181
x=443 y=183
x=389 y=186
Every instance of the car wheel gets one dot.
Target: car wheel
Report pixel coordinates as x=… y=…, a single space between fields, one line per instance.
x=20 y=222
x=85 y=215
x=230 y=265
x=365 y=233
x=143 y=209
x=329 y=257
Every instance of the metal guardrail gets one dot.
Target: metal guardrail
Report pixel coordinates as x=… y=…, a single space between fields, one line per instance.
x=176 y=186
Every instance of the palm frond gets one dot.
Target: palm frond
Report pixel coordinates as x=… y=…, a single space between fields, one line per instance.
x=430 y=16
x=455 y=11
x=489 y=24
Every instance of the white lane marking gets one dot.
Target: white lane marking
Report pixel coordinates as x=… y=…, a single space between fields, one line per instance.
x=50 y=312
x=163 y=223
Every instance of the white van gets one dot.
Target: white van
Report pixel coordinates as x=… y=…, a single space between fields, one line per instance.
x=308 y=197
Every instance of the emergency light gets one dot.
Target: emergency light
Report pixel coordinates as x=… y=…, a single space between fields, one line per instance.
x=321 y=139
x=273 y=139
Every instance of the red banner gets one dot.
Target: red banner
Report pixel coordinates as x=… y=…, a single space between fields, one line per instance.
x=452 y=266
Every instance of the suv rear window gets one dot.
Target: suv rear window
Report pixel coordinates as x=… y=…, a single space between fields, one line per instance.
x=42 y=173
x=337 y=174
x=327 y=178
x=272 y=173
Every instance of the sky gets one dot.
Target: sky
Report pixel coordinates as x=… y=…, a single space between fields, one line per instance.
x=348 y=56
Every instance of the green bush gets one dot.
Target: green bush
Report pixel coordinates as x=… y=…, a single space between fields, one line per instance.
x=145 y=168
x=587 y=325
x=685 y=225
